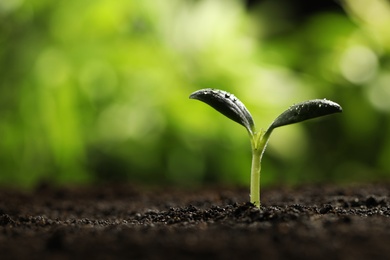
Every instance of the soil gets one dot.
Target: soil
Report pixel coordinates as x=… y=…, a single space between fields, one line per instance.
x=131 y=222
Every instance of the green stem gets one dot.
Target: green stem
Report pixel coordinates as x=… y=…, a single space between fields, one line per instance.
x=259 y=142
x=255 y=177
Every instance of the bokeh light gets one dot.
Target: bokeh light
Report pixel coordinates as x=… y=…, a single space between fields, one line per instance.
x=95 y=91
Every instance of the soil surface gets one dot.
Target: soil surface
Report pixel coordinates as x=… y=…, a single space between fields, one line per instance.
x=127 y=222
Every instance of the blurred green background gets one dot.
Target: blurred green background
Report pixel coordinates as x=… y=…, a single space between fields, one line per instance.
x=95 y=91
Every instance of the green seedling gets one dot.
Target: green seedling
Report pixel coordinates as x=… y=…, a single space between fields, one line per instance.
x=233 y=108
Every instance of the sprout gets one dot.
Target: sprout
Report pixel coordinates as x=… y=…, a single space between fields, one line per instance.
x=233 y=108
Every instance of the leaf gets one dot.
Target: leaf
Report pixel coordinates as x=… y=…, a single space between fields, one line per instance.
x=306 y=110
x=227 y=104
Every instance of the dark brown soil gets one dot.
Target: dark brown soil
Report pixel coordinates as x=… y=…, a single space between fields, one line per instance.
x=124 y=222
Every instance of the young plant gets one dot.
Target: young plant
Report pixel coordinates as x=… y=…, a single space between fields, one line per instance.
x=233 y=108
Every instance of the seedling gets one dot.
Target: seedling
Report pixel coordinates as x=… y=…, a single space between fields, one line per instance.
x=233 y=108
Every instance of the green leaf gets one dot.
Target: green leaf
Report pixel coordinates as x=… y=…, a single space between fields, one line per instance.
x=227 y=104
x=306 y=110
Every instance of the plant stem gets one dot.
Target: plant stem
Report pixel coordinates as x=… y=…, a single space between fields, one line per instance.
x=255 y=177
x=259 y=142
